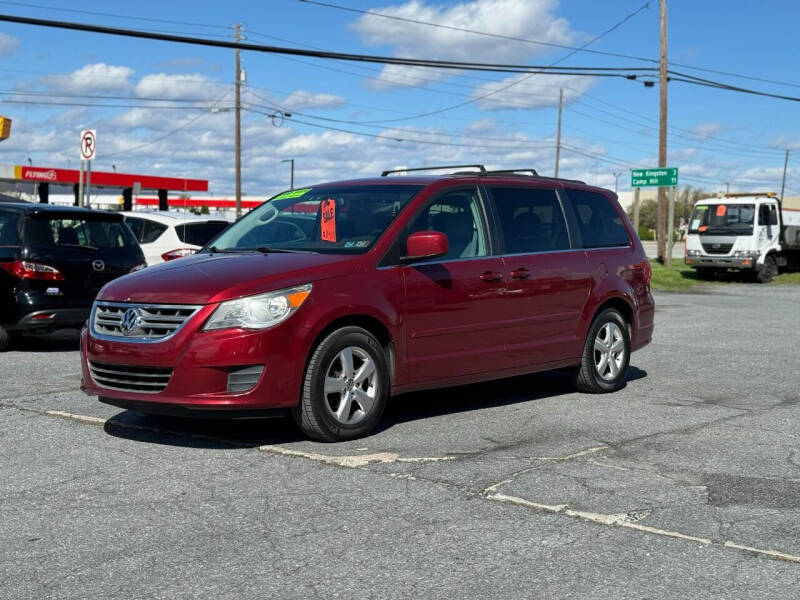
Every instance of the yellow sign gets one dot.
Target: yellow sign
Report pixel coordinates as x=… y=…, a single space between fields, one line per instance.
x=5 y=128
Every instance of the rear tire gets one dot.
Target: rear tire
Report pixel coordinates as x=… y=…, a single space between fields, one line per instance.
x=606 y=355
x=345 y=388
x=768 y=271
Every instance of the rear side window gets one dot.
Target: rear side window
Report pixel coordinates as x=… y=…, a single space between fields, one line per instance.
x=145 y=231
x=9 y=228
x=68 y=232
x=531 y=220
x=199 y=234
x=600 y=225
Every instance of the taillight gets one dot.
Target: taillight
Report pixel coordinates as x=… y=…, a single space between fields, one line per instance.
x=648 y=272
x=178 y=253
x=26 y=269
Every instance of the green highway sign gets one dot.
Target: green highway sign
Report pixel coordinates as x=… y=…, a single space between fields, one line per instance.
x=665 y=177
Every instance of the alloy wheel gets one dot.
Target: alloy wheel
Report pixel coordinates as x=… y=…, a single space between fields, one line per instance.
x=609 y=351
x=351 y=386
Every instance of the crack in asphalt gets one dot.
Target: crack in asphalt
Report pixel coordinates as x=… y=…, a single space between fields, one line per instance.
x=629 y=520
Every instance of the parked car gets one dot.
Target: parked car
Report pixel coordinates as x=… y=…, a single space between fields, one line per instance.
x=54 y=260
x=167 y=236
x=326 y=300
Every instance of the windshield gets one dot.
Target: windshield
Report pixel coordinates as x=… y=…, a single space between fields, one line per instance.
x=76 y=232
x=337 y=220
x=722 y=219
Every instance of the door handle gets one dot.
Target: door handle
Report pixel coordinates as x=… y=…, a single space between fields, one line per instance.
x=522 y=273
x=491 y=276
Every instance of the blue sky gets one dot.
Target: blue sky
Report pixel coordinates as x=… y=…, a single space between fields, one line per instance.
x=168 y=112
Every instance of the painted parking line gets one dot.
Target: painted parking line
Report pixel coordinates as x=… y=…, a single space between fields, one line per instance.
x=624 y=520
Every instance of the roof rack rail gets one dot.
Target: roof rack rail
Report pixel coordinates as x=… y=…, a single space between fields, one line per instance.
x=532 y=172
x=748 y=194
x=480 y=168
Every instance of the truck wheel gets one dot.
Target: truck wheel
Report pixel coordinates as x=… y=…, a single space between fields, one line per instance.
x=345 y=388
x=606 y=355
x=767 y=271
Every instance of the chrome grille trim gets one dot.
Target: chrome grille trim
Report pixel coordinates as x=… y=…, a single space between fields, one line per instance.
x=129 y=378
x=157 y=323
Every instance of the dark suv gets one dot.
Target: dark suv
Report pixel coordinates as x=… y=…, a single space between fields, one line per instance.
x=54 y=260
x=325 y=300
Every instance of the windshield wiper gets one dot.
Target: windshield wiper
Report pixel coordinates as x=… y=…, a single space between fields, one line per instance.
x=269 y=250
x=215 y=250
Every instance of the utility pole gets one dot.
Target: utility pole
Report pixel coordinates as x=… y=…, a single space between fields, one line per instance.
x=616 y=182
x=291 y=177
x=558 y=132
x=727 y=187
x=783 y=183
x=662 y=137
x=238 y=87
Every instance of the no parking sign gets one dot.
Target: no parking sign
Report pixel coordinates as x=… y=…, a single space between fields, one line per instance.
x=88 y=144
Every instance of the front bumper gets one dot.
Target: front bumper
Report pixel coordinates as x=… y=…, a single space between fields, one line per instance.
x=721 y=262
x=201 y=362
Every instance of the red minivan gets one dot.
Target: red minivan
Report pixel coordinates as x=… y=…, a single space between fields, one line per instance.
x=326 y=300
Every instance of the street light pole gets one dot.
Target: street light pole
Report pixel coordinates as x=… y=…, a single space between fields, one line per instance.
x=558 y=131
x=662 y=136
x=783 y=183
x=291 y=179
x=238 y=87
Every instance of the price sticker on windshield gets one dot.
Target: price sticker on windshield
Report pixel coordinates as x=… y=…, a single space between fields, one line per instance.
x=721 y=210
x=328 y=208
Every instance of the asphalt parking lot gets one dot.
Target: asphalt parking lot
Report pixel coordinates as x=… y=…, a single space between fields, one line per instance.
x=685 y=484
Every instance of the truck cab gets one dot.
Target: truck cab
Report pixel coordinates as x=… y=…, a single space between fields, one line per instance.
x=740 y=232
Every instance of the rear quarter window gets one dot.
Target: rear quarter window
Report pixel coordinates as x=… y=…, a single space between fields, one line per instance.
x=145 y=230
x=9 y=228
x=600 y=224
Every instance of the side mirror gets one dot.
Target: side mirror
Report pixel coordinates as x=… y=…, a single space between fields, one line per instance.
x=422 y=245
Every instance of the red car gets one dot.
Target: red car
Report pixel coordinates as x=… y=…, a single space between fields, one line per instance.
x=326 y=300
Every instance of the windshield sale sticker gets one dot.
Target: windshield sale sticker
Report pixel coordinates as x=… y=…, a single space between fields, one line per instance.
x=328 y=208
x=721 y=210
x=292 y=194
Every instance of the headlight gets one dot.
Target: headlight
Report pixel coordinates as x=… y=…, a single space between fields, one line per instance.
x=258 y=312
x=747 y=253
x=693 y=253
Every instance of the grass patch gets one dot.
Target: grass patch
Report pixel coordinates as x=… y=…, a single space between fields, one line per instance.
x=680 y=277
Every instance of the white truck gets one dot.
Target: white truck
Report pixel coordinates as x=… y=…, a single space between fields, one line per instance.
x=751 y=233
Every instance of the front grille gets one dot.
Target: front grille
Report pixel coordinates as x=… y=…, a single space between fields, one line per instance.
x=143 y=380
x=139 y=322
x=717 y=248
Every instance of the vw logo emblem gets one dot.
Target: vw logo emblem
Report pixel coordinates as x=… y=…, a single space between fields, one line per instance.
x=98 y=265
x=131 y=319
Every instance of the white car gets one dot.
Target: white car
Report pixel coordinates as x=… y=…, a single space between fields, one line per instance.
x=166 y=236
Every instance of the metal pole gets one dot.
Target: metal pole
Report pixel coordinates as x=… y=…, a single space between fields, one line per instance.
x=662 y=134
x=783 y=183
x=558 y=131
x=670 y=228
x=238 y=87
x=88 y=204
x=636 y=193
x=291 y=177
x=80 y=183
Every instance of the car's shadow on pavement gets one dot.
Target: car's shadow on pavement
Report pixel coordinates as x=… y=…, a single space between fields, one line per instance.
x=249 y=433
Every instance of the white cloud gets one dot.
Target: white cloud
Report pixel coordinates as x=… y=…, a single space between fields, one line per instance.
x=703 y=131
x=302 y=99
x=93 y=78
x=527 y=19
x=531 y=91
x=8 y=44
x=187 y=86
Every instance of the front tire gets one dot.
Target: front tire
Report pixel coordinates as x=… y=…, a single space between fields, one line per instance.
x=345 y=388
x=768 y=271
x=606 y=355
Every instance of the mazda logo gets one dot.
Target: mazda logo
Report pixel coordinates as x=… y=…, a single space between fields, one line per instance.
x=98 y=265
x=131 y=319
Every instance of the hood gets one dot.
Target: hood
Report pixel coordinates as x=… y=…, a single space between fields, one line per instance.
x=204 y=278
